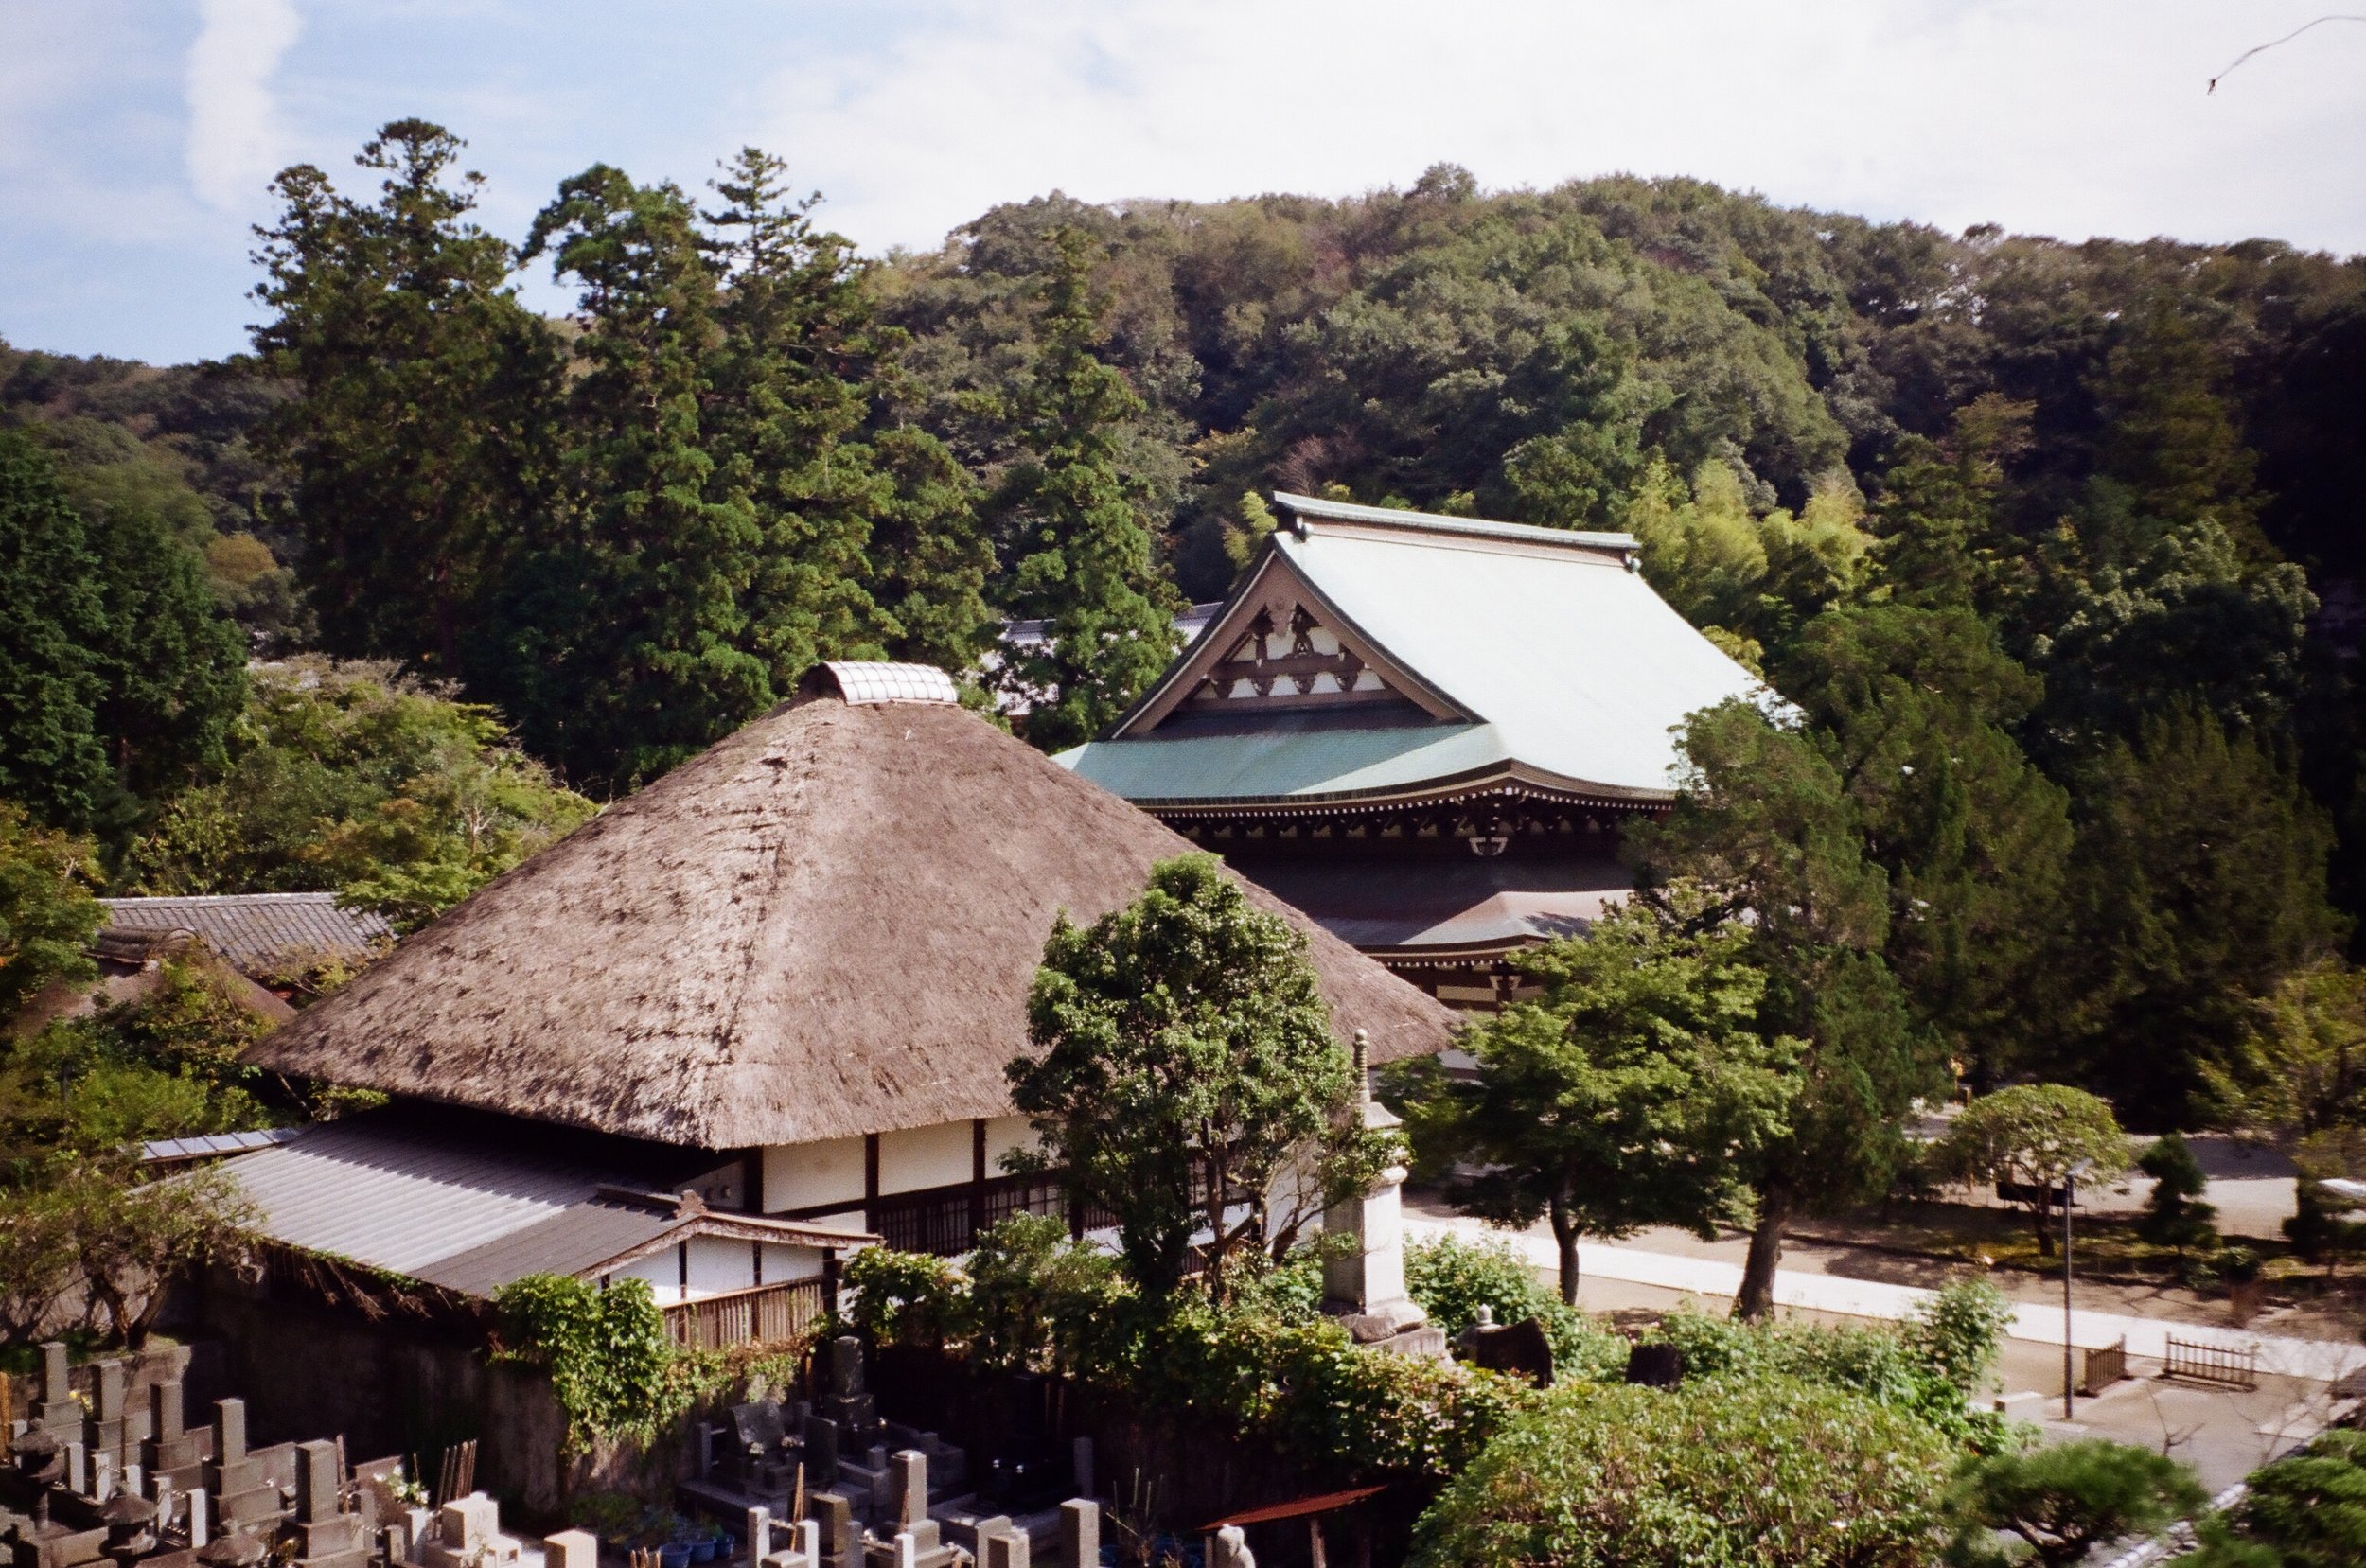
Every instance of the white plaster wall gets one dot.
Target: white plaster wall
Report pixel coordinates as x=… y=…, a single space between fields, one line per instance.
x=784 y=1263
x=660 y=1269
x=720 y=1264
x=1004 y=1133
x=798 y=1176
x=925 y=1157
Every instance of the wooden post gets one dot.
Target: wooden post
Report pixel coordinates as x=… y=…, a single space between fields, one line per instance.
x=977 y=1174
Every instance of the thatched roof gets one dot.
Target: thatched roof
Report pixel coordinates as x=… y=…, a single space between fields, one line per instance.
x=826 y=924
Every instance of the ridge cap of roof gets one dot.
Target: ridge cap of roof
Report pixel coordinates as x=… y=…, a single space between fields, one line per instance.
x=1303 y=509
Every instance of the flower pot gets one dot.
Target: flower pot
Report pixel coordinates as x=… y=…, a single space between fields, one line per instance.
x=702 y=1549
x=674 y=1554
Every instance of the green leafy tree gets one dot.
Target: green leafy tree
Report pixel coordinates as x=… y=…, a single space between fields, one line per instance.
x=1184 y=1061
x=2174 y=1215
x=2066 y=1498
x=1766 y=1471
x=1625 y=1095
x=128 y=1240
x=345 y=778
x=2034 y=1136
x=47 y=910
x=2170 y=435
x=419 y=433
x=1078 y=548
x=2323 y=1227
x=1765 y=825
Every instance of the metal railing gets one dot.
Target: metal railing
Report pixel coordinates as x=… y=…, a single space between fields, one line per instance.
x=762 y=1314
x=2211 y=1363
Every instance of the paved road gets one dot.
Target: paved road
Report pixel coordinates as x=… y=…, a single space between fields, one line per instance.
x=2318 y=1361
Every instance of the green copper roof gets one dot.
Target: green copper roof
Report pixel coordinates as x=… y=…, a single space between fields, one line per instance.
x=1302 y=764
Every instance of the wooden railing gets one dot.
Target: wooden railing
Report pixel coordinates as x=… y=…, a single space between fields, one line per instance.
x=2106 y=1365
x=2211 y=1363
x=761 y=1315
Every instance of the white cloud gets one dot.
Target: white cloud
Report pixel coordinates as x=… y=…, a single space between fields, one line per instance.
x=2074 y=120
x=235 y=138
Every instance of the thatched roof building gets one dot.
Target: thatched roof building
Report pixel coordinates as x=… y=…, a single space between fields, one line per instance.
x=823 y=927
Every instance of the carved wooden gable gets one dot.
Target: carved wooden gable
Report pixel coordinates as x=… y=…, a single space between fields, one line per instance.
x=1288 y=658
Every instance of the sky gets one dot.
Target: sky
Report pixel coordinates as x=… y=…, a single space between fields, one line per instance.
x=138 y=137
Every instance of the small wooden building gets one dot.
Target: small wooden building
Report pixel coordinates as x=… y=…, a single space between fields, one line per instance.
x=802 y=959
x=1425 y=731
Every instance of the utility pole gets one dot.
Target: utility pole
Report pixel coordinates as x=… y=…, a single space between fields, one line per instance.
x=2070 y=1201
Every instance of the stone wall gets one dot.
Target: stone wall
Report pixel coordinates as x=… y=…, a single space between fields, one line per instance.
x=396 y=1388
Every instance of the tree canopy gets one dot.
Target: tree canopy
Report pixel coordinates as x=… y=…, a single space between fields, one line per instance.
x=1183 y=1062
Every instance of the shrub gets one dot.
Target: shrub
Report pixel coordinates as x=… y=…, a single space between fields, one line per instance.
x=2307 y=1511
x=1451 y=1278
x=1736 y=1471
x=1302 y=1384
x=615 y=1373
x=2174 y=1215
x=1931 y=1364
x=906 y=1298
x=2065 y=1499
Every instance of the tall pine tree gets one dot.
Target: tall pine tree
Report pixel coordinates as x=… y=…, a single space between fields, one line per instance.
x=626 y=630
x=1078 y=548
x=120 y=674
x=419 y=433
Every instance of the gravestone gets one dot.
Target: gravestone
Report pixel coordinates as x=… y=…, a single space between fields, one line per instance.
x=1655 y=1366
x=821 y=1451
x=58 y=1410
x=835 y=1513
x=171 y=1451
x=326 y=1536
x=1080 y=1532
x=849 y=1402
x=245 y=1484
x=105 y=1433
x=1005 y=1549
x=1520 y=1348
x=918 y=1541
x=571 y=1549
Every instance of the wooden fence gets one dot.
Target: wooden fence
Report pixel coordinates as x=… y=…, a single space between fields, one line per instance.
x=761 y=1315
x=2211 y=1363
x=2106 y=1365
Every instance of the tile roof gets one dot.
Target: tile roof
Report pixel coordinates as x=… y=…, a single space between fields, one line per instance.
x=258 y=932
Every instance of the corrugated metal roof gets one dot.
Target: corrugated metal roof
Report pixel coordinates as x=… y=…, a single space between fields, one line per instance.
x=472 y=1202
x=1568 y=665
x=401 y=1198
x=214 y=1145
x=569 y=1242
x=259 y=931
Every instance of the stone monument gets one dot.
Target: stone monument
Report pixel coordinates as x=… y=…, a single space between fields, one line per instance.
x=1364 y=1285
